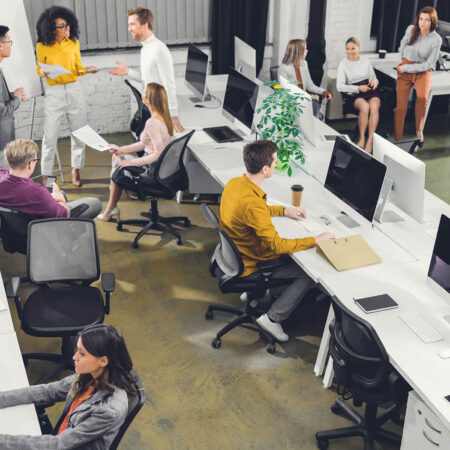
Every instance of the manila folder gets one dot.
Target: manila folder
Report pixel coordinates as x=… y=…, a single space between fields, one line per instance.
x=347 y=253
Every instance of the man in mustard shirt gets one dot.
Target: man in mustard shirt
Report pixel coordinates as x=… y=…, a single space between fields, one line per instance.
x=246 y=218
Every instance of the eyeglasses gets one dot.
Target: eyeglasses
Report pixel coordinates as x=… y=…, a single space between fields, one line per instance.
x=326 y=219
x=7 y=42
x=62 y=27
x=36 y=160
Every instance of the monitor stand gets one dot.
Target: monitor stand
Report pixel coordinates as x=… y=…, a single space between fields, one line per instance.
x=381 y=215
x=206 y=98
x=447 y=319
x=347 y=221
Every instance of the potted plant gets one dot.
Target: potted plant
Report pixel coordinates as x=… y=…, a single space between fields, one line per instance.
x=278 y=117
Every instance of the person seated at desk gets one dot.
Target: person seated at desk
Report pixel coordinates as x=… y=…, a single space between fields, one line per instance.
x=96 y=402
x=153 y=140
x=295 y=68
x=357 y=83
x=18 y=191
x=246 y=218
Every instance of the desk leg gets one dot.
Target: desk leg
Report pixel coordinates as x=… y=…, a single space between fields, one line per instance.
x=322 y=354
x=329 y=374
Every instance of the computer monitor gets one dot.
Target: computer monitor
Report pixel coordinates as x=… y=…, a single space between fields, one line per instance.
x=439 y=269
x=407 y=174
x=196 y=70
x=355 y=178
x=240 y=100
x=444 y=31
x=244 y=58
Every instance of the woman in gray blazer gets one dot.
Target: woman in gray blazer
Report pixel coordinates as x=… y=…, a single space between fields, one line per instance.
x=295 y=69
x=96 y=402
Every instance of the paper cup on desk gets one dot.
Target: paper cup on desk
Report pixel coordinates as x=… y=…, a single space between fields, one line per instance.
x=297 y=192
x=382 y=54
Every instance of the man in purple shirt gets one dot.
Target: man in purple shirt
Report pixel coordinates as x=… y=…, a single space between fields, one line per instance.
x=19 y=192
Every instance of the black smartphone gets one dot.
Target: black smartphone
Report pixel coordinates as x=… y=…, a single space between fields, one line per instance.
x=49 y=182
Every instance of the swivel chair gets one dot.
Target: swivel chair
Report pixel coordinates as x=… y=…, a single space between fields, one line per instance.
x=14 y=230
x=226 y=265
x=141 y=115
x=363 y=373
x=171 y=177
x=63 y=261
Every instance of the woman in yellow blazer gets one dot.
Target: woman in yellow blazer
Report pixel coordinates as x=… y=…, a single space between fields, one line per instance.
x=57 y=31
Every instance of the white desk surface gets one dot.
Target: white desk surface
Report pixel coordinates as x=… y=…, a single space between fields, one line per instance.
x=6 y=323
x=417 y=362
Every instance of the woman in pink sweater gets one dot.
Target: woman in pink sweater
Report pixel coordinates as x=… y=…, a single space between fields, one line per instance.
x=153 y=140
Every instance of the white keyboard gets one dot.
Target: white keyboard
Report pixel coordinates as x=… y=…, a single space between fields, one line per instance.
x=421 y=327
x=311 y=224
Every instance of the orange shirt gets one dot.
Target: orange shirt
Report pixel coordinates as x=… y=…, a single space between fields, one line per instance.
x=77 y=401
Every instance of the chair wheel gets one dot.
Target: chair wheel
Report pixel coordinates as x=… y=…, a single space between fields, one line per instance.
x=119 y=226
x=179 y=241
x=209 y=315
x=135 y=244
x=216 y=343
x=187 y=223
x=271 y=348
x=322 y=444
x=335 y=409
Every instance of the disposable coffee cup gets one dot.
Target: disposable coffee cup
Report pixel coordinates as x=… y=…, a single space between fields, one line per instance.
x=382 y=54
x=297 y=192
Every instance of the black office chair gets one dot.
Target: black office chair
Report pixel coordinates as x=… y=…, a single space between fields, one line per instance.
x=63 y=261
x=141 y=115
x=363 y=372
x=274 y=73
x=226 y=265
x=170 y=177
x=14 y=230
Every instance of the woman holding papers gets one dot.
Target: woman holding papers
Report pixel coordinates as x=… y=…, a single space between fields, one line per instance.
x=153 y=140
x=57 y=31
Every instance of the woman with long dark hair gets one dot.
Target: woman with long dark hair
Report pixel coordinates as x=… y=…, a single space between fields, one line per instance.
x=419 y=50
x=153 y=140
x=57 y=31
x=96 y=402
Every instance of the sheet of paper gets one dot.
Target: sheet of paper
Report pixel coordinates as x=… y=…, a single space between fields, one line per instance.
x=55 y=70
x=88 y=136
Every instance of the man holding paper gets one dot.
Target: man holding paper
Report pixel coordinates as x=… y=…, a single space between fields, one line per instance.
x=9 y=101
x=246 y=218
x=58 y=45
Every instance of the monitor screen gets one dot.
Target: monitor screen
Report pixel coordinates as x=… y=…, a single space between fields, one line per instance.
x=355 y=177
x=439 y=269
x=444 y=31
x=196 y=69
x=240 y=97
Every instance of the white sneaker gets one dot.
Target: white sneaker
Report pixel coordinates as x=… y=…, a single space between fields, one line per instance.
x=275 y=329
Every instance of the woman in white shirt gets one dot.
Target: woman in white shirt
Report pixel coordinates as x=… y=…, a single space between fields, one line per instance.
x=295 y=69
x=357 y=83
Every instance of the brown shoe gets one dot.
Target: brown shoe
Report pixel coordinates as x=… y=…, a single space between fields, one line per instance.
x=76 y=181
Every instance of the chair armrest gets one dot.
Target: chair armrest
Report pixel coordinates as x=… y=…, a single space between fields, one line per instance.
x=271 y=264
x=12 y=287
x=135 y=170
x=108 y=282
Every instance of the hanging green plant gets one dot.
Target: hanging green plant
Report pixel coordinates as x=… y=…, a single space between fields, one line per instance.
x=279 y=113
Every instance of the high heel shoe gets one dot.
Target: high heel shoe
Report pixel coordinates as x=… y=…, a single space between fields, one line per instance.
x=106 y=217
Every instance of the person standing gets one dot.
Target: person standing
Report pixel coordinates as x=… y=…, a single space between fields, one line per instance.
x=419 y=50
x=57 y=31
x=156 y=60
x=9 y=101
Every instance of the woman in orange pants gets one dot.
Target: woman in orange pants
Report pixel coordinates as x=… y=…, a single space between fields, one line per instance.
x=419 y=50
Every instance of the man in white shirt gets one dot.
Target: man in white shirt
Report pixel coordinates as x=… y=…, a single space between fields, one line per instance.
x=156 y=60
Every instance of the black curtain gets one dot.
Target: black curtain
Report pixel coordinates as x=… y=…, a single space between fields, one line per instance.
x=246 y=19
x=396 y=15
x=316 y=39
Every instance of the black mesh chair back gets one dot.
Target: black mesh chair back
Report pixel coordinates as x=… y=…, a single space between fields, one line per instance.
x=274 y=73
x=14 y=230
x=142 y=113
x=63 y=249
x=209 y=215
x=135 y=404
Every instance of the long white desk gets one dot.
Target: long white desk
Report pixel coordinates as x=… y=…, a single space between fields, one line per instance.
x=19 y=419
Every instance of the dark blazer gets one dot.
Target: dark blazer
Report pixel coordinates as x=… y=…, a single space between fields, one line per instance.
x=92 y=426
x=8 y=104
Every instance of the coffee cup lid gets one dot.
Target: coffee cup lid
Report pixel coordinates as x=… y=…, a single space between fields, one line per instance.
x=297 y=187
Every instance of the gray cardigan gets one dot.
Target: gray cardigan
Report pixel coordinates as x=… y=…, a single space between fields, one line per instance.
x=288 y=71
x=92 y=426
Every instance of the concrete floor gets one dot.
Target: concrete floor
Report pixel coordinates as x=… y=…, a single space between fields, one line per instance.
x=200 y=398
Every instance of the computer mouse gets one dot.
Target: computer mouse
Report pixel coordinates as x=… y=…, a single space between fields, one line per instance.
x=445 y=353
x=199 y=106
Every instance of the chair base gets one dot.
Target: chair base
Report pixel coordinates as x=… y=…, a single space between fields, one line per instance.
x=369 y=427
x=243 y=317
x=154 y=222
x=64 y=361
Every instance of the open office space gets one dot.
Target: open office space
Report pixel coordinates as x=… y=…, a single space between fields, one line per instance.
x=385 y=202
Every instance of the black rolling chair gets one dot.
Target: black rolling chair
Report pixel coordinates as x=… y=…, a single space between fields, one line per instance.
x=141 y=115
x=14 y=230
x=226 y=265
x=363 y=372
x=274 y=72
x=170 y=177
x=63 y=261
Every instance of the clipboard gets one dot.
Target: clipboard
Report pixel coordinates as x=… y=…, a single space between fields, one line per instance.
x=348 y=253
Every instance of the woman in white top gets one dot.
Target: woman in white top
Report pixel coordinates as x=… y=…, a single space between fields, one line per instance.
x=357 y=83
x=295 y=69
x=153 y=140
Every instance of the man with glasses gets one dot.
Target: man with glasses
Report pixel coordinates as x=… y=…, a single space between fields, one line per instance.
x=9 y=101
x=19 y=192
